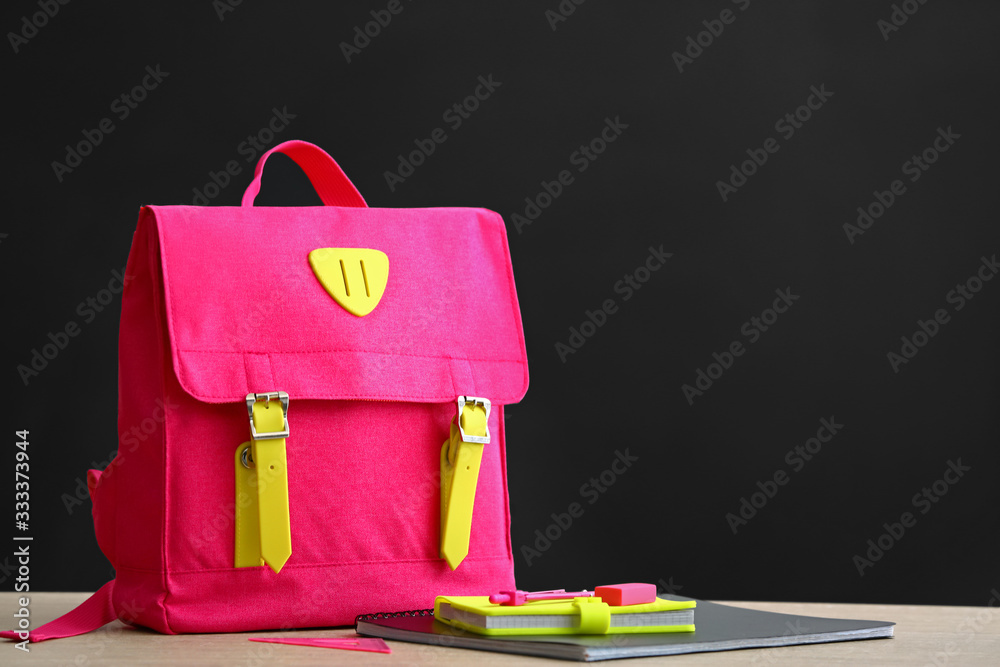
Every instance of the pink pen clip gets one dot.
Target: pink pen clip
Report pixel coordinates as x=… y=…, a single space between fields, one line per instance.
x=517 y=598
x=618 y=595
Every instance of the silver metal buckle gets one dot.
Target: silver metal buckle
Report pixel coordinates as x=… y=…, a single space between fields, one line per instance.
x=267 y=397
x=475 y=400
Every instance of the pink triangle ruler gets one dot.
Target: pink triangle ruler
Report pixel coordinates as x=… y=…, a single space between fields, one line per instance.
x=373 y=645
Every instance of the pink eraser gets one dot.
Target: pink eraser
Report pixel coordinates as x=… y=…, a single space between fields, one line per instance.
x=623 y=595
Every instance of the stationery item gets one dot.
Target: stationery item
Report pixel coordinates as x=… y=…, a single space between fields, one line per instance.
x=287 y=376
x=555 y=616
x=719 y=628
x=516 y=598
x=617 y=595
x=372 y=645
x=623 y=595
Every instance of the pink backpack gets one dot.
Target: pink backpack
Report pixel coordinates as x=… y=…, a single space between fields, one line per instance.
x=368 y=349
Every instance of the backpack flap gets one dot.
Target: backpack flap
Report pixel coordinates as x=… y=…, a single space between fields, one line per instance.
x=247 y=312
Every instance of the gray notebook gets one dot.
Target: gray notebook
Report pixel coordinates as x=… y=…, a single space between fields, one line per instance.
x=719 y=627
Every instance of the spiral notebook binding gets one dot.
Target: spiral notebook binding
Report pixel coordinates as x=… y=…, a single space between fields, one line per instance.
x=392 y=614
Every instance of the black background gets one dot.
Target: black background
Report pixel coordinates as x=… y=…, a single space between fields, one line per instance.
x=665 y=519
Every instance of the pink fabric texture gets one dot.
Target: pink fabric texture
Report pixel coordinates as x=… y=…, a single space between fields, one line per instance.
x=221 y=301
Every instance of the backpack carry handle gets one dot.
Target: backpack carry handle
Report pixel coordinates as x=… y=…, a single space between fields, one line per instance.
x=326 y=176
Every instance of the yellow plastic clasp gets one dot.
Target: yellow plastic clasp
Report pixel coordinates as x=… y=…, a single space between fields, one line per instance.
x=595 y=615
x=461 y=457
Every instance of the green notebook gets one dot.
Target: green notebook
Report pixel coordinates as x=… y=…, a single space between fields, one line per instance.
x=585 y=615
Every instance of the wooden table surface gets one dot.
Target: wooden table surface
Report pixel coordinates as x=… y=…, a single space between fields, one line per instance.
x=925 y=635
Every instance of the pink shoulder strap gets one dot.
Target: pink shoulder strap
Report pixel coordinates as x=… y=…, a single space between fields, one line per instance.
x=326 y=176
x=95 y=611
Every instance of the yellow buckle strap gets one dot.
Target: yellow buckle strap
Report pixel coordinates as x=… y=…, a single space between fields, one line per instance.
x=262 y=487
x=461 y=457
